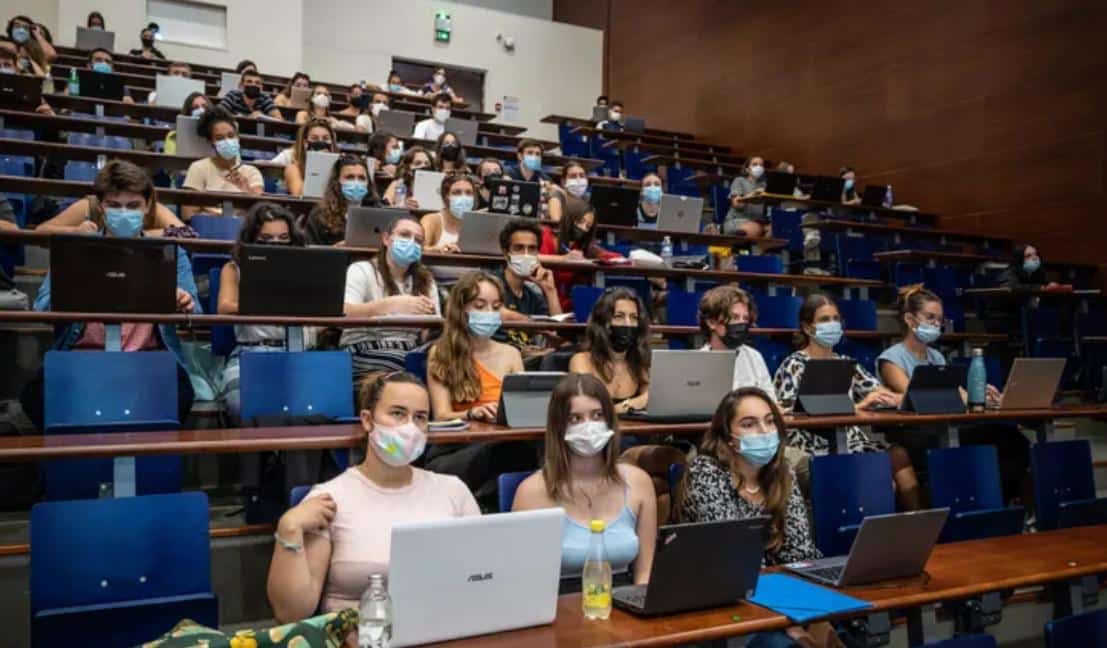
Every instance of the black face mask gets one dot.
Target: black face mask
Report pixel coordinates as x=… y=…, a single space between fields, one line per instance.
x=736 y=335
x=623 y=337
x=147 y=42
x=577 y=234
x=450 y=152
x=251 y=92
x=319 y=145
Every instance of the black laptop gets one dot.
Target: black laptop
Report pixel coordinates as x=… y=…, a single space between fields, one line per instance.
x=280 y=280
x=112 y=275
x=936 y=389
x=699 y=565
x=100 y=85
x=828 y=189
x=824 y=388
x=514 y=197
x=616 y=205
x=779 y=183
x=20 y=92
x=873 y=195
x=634 y=124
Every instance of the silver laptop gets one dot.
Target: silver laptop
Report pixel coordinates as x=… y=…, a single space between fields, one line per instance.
x=465 y=129
x=503 y=575
x=189 y=142
x=228 y=81
x=1032 y=383
x=364 y=225
x=317 y=172
x=90 y=39
x=480 y=232
x=428 y=189
x=173 y=90
x=525 y=398
x=680 y=214
x=299 y=98
x=687 y=385
x=887 y=546
x=398 y=122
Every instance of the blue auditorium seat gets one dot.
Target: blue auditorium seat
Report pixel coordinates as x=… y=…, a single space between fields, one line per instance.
x=905 y=274
x=846 y=488
x=778 y=311
x=633 y=163
x=682 y=308
x=18 y=133
x=680 y=181
x=297 y=384
x=858 y=314
x=966 y=479
x=219 y=228
x=1064 y=485
x=80 y=171
x=608 y=151
x=1087 y=630
x=223 y=339
x=763 y=263
x=507 y=484
x=572 y=144
x=974 y=641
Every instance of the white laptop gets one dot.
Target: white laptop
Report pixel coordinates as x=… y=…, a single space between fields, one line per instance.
x=228 y=81
x=680 y=214
x=1032 y=383
x=465 y=129
x=173 y=90
x=90 y=39
x=317 y=172
x=500 y=573
x=299 y=98
x=480 y=232
x=428 y=188
x=687 y=385
x=189 y=142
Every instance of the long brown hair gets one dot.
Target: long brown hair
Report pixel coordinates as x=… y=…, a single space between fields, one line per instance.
x=333 y=206
x=555 y=467
x=813 y=303
x=299 y=155
x=774 y=478
x=597 y=338
x=911 y=299
x=450 y=361
x=404 y=171
x=120 y=175
x=287 y=91
x=420 y=275
x=575 y=211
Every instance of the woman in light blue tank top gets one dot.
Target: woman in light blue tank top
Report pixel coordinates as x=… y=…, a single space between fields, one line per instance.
x=581 y=474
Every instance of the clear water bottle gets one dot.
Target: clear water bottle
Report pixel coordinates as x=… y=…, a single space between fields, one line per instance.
x=667 y=251
x=978 y=381
x=401 y=194
x=888 y=199
x=74 y=83
x=596 y=579
x=374 y=628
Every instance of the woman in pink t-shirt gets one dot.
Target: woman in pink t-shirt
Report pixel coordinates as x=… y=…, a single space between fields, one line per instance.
x=327 y=547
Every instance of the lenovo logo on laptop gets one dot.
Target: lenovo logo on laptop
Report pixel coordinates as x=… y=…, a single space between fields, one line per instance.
x=256 y=258
x=116 y=275
x=476 y=578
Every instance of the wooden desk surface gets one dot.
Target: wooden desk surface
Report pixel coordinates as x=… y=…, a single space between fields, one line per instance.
x=722 y=169
x=1003 y=292
x=965 y=257
x=902 y=214
x=564 y=119
x=660 y=143
x=642 y=234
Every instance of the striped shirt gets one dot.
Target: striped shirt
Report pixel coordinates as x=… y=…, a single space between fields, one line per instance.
x=235 y=101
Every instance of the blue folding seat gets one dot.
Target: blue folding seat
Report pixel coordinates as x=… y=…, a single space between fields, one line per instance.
x=1064 y=485
x=966 y=479
x=846 y=488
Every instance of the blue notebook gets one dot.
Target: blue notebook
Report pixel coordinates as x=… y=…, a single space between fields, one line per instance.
x=800 y=600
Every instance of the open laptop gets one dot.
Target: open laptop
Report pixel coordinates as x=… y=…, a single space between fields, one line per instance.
x=1032 y=383
x=398 y=122
x=513 y=197
x=634 y=124
x=896 y=545
x=465 y=129
x=827 y=189
x=506 y=578
x=599 y=113
x=283 y=280
x=299 y=98
x=525 y=398
x=98 y=274
x=173 y=90
x=90 y=39
x=20 y=91
x=686 y=386
x=228 y=81
x=317 y=172
x=699 y=565
x=780 y=183
x=189 y=142
x=680 y=214
x=935 y=389
x=364 y=225
x=480 y=232
x=825 y=386
x=615 y=205
x=100 y=85
x=873 y=195
x=428 y=187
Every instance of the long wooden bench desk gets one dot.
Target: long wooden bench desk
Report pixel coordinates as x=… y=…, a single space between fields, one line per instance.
x=909 y=215
x=580 y=121
x=652 y=144
x=935 y=257
x=720 y=169
x=897 y=232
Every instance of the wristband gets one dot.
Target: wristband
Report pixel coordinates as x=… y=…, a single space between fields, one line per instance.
x=294 y=547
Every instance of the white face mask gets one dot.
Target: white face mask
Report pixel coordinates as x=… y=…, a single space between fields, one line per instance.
x=576 y=186
x=756 y=170
x=439 y=79
x=588 y=439
x=321 y=101
x=522 y=264
x=377 y=108
x=441 y=115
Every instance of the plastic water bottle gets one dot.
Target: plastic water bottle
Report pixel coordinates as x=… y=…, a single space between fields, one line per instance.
x=888 y=200
x=374 y=628
x=401 y=194
x=667 y=251
x=978 y=381
x=596 y=579
x=74 y=83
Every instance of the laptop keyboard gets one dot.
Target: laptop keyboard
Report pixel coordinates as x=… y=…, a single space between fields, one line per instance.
x=831 y=574
x=635 y=595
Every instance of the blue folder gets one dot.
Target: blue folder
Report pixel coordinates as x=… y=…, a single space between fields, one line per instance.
x=800 y=600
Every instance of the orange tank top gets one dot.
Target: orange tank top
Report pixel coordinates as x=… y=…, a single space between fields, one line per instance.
x=490 y=387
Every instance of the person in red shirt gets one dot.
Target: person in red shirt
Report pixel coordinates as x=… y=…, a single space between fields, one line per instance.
x=574 y=240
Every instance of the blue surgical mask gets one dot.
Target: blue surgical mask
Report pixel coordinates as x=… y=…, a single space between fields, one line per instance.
x=122 y=222
x=484 y=323
x=395 y=87
x=460 y=205
x=759 y=449
x=928 y=333
x=21 y=35
x=101 y=67
x=828 y=334
x=533 y=162
x=354 y=190
x=1030 y=266
x=227 y=148
x=405 y=251
x=393 y=155
x=651 y=194
x=198 y=112
x=848 y=185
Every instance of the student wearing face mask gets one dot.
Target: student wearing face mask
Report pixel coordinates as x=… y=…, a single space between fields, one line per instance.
x=314 y=135
x=616 y=348
x=249 y=99
x=849 y=188
x=487 y=169
x=100 y=60
x=726 y=314
x=416 y=158
x=437 y=86
x=466 y=366
x=176 y=69
x=649 y=205
x=328 y=545
x=1025 y=273
x=614 y=121
x=529 y=167
x=573 y=240
x=195 y=104
x=33 y=45
x=319 y=107
x=432 y=128
x=741 y=473
x=396 y=85
x=265 y=224
x=298 y=80
x=9 y=64
x=348 y=186
x=820 y=331
x=529 y=288
x=95 y=21
x=86 y=216
x=444 y=227
x=225 y=170
x=581 y=473
x=123 y=205
x=394 y=282
x=354 y=95
x=744 y=218
x=574 y=187
x=369 y=111
x=385 y=152
x=148 y=51
x=449 y=154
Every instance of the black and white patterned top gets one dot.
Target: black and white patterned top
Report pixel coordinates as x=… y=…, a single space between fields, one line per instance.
x=711 y=496
x=787 y=380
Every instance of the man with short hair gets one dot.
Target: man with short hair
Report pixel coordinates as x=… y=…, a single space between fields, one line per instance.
x=614 y=121
x=529 y=169
x=432 y=129
x=249 y=99
x=529 y=288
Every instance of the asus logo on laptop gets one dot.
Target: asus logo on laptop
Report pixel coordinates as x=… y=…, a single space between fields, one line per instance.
x=116 y=275
x=694 y=383
x=476 y=578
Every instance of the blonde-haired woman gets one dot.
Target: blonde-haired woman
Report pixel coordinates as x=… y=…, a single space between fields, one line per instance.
x=314 y=135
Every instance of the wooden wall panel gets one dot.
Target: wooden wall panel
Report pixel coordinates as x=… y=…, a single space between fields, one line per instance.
x=992 y=113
